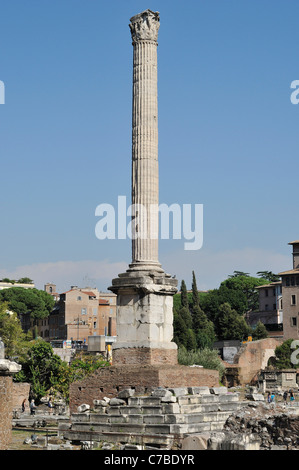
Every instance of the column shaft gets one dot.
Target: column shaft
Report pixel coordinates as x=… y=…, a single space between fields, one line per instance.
x=145 y=171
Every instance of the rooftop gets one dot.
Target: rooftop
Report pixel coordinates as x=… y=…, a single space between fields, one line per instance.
x=291 y=271
x=271 y=284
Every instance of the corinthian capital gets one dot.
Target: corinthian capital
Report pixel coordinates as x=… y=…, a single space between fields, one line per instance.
x=145 y=26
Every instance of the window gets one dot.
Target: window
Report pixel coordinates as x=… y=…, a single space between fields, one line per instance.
x=266 y=293
x=83 y=311
x=287 y=281
x=266 y=307
x=293 y=300
x=79 y=298
x=292 y=281
x=95 y=311
x=293 y=321
x=274 y=293
x=94 y=324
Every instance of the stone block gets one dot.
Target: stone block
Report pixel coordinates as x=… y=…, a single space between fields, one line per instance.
x=126 y=393
x=80 y=417
x=130 y=410
x=191 y=409
x=189 y=400
x=189 y=428
x=100 y=403
x=170 y=408
x=160 y=392
x=153 y=419
x=175 y=418
x=100 y=418
x=230 y=397
x=134 y=419
x=143 y=401
x=117 y=402
x=218 y=390
x=199 y=390
x=83 y=408
x=169 y=399
x=151 y=410
x=195 y=442
x=180 y=391
x=117 y=419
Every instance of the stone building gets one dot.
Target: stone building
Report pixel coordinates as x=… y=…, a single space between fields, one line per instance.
x=78 y=314
x=270 y=311
x=290 y=296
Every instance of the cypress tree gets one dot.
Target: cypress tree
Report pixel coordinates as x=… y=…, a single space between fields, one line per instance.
x=195 y=295
x=184 y=295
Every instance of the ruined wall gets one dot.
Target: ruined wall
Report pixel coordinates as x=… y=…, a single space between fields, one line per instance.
x=5 y=411
x=20 y=391
x=253 y=357
x=107 y=382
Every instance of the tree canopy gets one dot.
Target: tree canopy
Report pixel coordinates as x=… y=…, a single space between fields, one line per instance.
x=35 y=302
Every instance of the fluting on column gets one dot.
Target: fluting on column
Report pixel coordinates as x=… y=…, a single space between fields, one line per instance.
x=144 y=292
x=145 y=171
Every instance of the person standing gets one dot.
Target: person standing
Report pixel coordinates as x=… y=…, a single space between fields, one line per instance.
x=23 y=405
x=32 y=407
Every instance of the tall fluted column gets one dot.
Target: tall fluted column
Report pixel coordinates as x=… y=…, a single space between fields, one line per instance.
x=144 y=292
x=145 y=172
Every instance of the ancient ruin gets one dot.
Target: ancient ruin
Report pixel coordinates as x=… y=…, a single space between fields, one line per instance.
x=7 y=370
x=145 y=291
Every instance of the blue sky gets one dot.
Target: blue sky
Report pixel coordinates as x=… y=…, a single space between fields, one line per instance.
x=228 y=134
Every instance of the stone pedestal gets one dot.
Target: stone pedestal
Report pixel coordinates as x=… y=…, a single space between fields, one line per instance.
x=109 y=381
x=144 y=321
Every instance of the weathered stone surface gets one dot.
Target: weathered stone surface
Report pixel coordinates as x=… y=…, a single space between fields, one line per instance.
x=195 y=442
x=179 y=391
x=199 y=390
x=218 y=390
x=117 y=402
x=126 y=393
x=83 y=408
x=161 y=393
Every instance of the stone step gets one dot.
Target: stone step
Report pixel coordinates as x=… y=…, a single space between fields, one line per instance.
x=96 y=422
x=144 y=401
x=199 y=399
x=162 y=440
x=198 y=417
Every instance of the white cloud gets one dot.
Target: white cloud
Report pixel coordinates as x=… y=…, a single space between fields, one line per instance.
x=211 y=268
x=66 y=273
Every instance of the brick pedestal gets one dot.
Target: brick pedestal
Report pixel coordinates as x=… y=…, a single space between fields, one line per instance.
x=107 y=382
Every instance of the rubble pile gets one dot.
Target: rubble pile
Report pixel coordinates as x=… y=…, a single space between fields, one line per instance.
x=272 y=426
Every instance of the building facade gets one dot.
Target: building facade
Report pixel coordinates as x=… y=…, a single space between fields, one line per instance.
x=270 y=311
x=290 y=296
x=80 y=313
